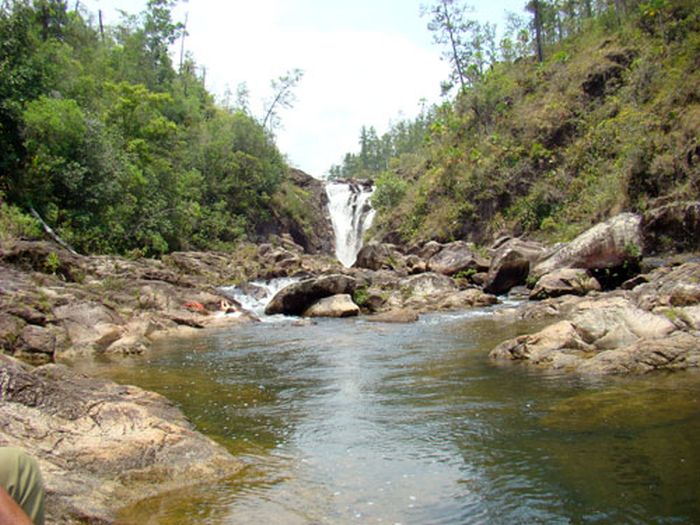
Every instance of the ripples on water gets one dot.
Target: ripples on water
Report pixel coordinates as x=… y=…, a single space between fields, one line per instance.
x=353 y=422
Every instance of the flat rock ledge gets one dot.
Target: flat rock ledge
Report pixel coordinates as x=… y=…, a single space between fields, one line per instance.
x=100 y=445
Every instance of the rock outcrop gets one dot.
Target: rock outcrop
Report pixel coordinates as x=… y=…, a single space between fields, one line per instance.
x=100 y=445
x=611 y=244
x=456 y=257
x=301 y=211
x=652 y=327
x=378 y=256
x=565 y=281
x=674 y=227
x=510 y=265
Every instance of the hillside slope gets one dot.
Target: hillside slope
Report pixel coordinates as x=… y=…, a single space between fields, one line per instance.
x=609 y=122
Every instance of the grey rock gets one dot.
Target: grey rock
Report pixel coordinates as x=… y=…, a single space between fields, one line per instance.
x=296 y=298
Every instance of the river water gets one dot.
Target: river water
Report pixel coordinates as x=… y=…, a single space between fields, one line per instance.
x=346 y=421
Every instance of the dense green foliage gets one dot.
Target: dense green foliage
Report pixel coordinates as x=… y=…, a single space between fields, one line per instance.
x=113 y=147
x=608 y=121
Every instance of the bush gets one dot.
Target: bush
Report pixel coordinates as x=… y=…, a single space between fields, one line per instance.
x=17 y=225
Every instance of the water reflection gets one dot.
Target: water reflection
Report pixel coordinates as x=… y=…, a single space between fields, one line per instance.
x=352 y=422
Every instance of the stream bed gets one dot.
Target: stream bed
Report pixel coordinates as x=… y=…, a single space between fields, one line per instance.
x=346 y=421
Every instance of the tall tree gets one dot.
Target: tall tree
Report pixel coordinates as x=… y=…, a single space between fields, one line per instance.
x=469 y=45
x=448 y=24
x=283 y=97
x=535 y=7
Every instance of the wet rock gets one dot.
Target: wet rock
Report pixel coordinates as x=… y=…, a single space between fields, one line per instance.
x=607 y=245
x=100 y=445
x=551 y=346
x=680 y=351
x=400 y=315
x=89 y=324
x=340 y=305
x=667 y=285
x=296 y=298
x=35 y=345
x=575 y=281
x=519 y=293
x=132 y=344
x=470 y=298
x=456 y=257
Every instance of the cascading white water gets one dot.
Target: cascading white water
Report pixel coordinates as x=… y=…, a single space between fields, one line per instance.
x=254 y=296
x=351 y=215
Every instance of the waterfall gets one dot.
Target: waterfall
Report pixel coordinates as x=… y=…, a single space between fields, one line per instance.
x=351 y=215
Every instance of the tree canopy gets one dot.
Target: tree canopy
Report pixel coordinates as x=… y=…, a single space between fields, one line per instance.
x=113 y=147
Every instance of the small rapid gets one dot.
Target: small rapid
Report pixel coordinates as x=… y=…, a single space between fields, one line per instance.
x=351 y=214
x=254 y=296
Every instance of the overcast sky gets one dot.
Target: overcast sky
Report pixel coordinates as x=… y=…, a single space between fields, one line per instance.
x=365 y=62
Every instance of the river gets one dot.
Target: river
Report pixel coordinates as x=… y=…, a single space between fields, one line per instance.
x=346 y=421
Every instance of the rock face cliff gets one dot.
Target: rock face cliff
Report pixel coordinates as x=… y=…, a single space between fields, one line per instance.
x=300 y=209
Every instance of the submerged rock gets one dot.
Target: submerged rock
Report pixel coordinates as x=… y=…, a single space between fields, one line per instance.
x=400 y=315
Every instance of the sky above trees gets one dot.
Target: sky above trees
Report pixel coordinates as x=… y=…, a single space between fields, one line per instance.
x=365 y=62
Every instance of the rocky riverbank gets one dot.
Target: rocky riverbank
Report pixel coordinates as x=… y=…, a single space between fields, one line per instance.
x=613 y=309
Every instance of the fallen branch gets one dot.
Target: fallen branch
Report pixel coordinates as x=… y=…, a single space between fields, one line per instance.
x=52 y=233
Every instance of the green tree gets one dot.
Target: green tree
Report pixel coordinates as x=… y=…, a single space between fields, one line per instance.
x=283 y=97
x=470 y=46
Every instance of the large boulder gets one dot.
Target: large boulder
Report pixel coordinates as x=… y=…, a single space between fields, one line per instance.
x=666 y=287
x=378 y=256
x=611 y=244
x=340 y=305
x=101 y=446
x=456 y=257
x=297 y=297
x=427 y=250
x=679 y=351
x=90 y=325
x=427 y=285
x=575 y=281
x=511 y=264
x=470 y=298
x=674 y=227
x=421 y=292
